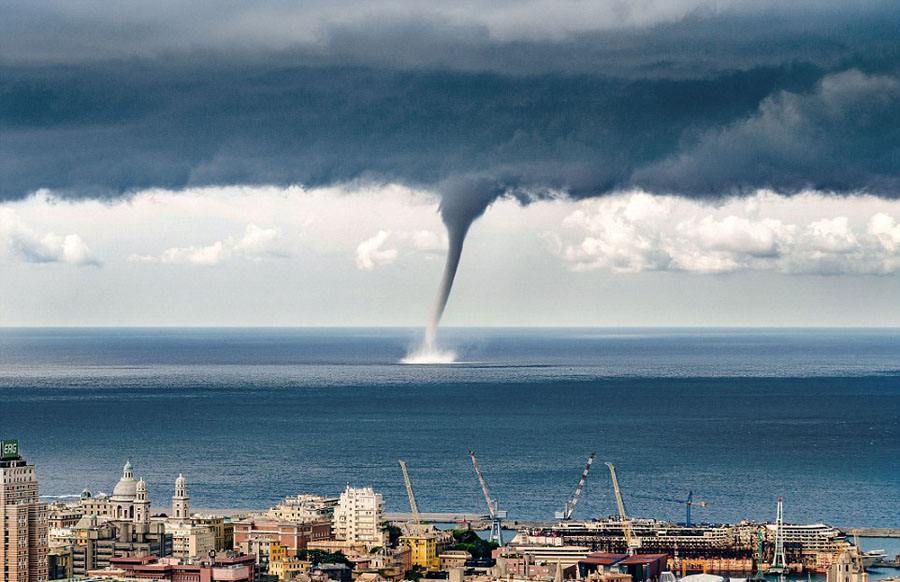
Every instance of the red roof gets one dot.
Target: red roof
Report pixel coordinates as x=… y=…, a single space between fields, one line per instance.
x=643 y=559
x=143 y=559
x=603 y=559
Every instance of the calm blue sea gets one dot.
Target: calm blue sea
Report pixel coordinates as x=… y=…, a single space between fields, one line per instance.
x=739 y=417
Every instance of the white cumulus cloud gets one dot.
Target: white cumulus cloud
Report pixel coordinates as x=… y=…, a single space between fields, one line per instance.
x=256 y=244
x=385 y=247
x=30 y=246
x=635 y=232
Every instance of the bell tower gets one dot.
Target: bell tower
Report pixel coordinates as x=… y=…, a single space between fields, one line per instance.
x=181 y=510
x=141 y=503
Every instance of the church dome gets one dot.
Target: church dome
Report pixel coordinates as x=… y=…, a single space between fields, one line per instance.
x=126 y=488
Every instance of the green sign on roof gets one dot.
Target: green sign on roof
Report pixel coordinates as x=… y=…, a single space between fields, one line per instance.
x=9 y=449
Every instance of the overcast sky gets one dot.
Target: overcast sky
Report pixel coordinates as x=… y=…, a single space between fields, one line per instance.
x=693 y=162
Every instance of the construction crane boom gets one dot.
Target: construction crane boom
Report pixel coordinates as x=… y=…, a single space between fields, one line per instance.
x=630 y=541
x=409 y=493
x=495 y=513
x=572 y=503
x=492 y=508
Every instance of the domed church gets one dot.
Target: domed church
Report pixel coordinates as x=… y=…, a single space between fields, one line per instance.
x=130 y=500
x=124 y=494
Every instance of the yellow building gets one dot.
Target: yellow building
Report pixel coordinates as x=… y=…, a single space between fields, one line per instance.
x=283 y=565
x=288 y=568
x=424 y=548
x=277 y=552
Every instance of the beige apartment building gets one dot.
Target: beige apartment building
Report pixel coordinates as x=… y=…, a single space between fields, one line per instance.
x=23 y=519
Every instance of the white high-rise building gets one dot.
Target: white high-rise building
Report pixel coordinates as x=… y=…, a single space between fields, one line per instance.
x=358 y=517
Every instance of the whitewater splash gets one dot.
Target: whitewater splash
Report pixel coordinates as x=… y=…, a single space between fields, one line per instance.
x=429 y=355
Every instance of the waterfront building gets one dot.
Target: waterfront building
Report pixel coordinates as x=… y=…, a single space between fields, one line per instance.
x=303 y=508
x=23 y=519
x=359 y=516
x=255 y=535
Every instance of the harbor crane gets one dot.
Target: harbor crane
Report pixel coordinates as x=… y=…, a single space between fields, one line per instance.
x=688 y=503
x=779 y=562
x=409 y=493
x=760 y=557
x=569 y=508
x=632 y=542
x=496 y=514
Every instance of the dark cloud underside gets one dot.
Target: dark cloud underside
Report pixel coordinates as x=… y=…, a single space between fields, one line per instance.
x=699 y=106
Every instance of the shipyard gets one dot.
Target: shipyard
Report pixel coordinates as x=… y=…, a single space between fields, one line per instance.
x=346 y=537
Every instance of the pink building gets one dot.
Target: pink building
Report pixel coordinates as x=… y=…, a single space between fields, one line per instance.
x=226 y=569
x=292 y=535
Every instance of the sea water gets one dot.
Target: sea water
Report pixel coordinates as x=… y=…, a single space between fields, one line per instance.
x=739 y=417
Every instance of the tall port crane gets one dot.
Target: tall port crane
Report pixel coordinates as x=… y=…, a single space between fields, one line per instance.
x=760 y=557
x=779 y=562
x=569 y=508
x=409 y=493
x=688 y=503
x=632 y=543
x=496 y=514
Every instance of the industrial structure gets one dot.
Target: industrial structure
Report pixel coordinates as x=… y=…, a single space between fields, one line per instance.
x=779 y=562
x=409 y=494
x=632 y=543
x=569 y=508
x=497 y=515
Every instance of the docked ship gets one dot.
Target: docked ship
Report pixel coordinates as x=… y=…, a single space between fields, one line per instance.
x=724 y=547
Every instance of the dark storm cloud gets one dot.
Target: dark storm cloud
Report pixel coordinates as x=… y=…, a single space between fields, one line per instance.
x=689 y=100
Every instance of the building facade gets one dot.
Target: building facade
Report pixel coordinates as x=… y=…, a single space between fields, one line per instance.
x=219 y=569
x=359 y=516
x=23 y=519
x=303 y=508
x=425 y=545
x=254 y=536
